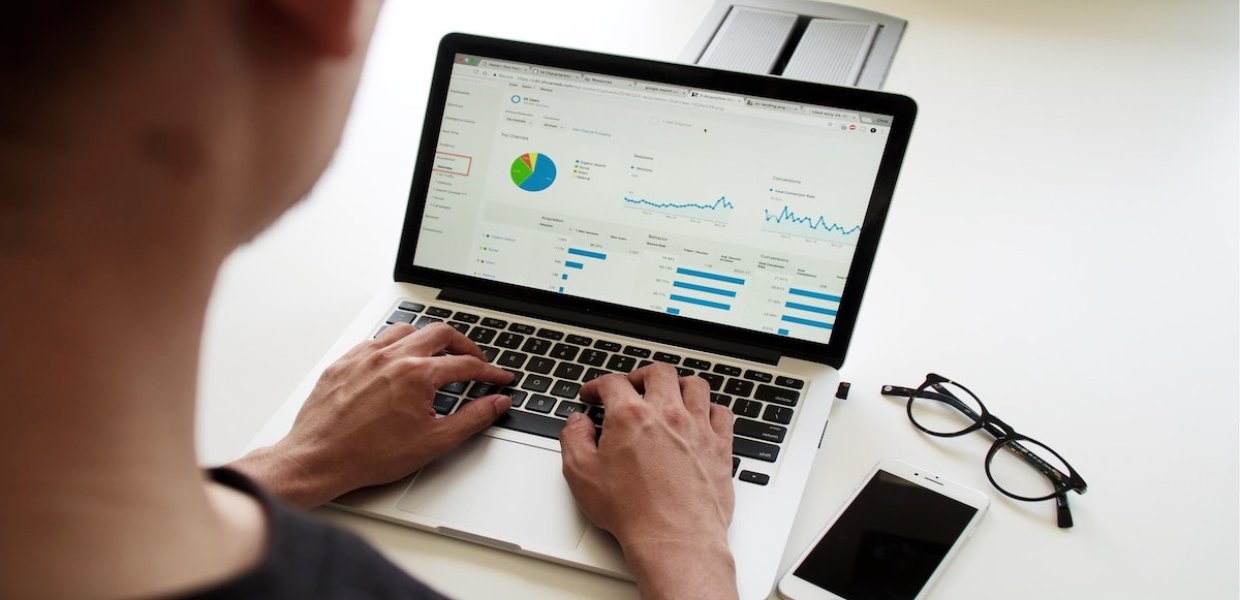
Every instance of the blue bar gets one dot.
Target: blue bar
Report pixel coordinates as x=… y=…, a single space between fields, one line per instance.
x=587 y=253
x=561 y=289
x=671 y=310
x=783 y=332
x=564 y=276
x=800 y=321
x=705 y=275
x=813 y=309
x=818 y=295
x=701 y=288
x=573 y=265
x=706 y=303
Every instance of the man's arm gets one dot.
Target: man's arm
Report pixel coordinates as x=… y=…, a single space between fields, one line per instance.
x=370 y=420
x=659 y=478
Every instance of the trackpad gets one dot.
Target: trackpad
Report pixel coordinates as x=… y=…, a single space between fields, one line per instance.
x=502 y=490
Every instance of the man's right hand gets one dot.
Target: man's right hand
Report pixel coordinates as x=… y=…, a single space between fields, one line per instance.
x=659 y=479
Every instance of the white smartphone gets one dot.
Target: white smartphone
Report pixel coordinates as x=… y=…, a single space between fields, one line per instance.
x=890 y=541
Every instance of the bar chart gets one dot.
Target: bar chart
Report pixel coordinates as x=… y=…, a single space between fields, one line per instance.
x=705 y=289
x=809 y=308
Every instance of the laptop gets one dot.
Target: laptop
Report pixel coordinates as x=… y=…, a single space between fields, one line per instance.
x=577 y=214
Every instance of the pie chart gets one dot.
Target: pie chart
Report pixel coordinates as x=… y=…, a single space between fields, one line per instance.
x=533 y=172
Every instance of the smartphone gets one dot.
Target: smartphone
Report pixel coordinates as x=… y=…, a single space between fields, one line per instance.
x=891 y=540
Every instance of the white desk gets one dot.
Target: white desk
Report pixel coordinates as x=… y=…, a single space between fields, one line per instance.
x=1063 y=240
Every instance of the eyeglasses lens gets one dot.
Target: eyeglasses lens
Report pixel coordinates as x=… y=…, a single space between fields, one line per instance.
x=1026 y=469
x=944 y=408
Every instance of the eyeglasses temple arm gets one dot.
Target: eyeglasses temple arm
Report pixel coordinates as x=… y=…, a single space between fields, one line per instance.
x=1062 y=512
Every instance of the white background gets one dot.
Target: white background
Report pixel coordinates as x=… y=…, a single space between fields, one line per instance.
x=1063 y=241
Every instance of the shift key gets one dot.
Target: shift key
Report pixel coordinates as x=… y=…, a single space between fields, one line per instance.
x=755 y=450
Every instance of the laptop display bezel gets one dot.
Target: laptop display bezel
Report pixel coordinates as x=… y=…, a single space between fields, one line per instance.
x=901 y=109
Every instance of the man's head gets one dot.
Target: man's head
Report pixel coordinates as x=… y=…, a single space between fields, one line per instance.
x=199 y=121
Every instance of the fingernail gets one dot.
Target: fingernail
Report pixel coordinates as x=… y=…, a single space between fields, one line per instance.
x=502 y=404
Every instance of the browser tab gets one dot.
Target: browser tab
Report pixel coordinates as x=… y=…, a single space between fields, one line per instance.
x=504 y=66
x=556 y=73
x=774 y=105
x=831 y=113
x=661 y=89
x=718 y=96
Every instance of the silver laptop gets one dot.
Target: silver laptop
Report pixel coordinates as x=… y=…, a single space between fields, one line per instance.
x=577 y=214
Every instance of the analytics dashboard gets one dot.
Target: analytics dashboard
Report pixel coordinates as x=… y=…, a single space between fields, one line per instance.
x=728 y=209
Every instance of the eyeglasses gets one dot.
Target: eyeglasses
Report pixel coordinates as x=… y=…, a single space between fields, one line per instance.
x=1019 y=466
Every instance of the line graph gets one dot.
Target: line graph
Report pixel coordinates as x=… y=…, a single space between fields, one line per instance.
x=816 y=227
x=717 y=211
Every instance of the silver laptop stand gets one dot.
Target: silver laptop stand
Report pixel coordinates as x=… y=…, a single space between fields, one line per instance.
x=798 y=39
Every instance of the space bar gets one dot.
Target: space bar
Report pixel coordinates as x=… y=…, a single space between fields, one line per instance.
x=531 y=423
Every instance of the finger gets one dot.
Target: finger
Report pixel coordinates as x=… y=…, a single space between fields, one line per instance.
x=470 y=419
x=696 y=394
x=657 y=382
x=608 y=390
x=447 y=369
x=437 y=338
x=721 y=422
x=578 y=447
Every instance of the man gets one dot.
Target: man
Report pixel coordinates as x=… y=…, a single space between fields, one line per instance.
x=141 y=141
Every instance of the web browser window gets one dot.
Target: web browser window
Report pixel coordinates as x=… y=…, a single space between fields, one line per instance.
x=713 y=206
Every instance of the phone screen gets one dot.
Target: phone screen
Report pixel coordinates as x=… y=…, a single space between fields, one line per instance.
x=887 y=543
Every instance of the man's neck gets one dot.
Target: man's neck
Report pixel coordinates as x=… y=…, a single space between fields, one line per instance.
x=99 y=469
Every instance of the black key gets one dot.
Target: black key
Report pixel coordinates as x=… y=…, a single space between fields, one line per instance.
x=564 y=352
x=739 y=387
x=494 y=323
x=638 y=352
x=436 y=311
x=455 y=388
x=509 y=340
x=565 y=389
x=423 y=321
x=621 y=363
x=683 y=372
x=758 y=376
x=694 y=363
x=536 y=383
x=569 y=371
x=401 y=316
x=550 y=334
x=482 y=388
x=760 y=430
x=411 y=306
x=567 y=408
x=594 y=358
x=778 y=414
x=715 y=381
x=747 y=408
x=608 y=346
x=580 y=340
x=645 y=363
x=540 y=365
x=518 y=396
x=521 y=328
x=512 y=359
x=592 y=374
x=444 y=403
x=516 y=377
x=721 y=399
x=465 y=317
x=542 y=404
x=770 y=393
x=517 y=420
x=728 y=370
x=482 y=335
x=736 y=462
x=758 y=478
x=755 y=450
x=596 y=414
x=461 y=327
x=789 y=382
x=667 y=358
x=536 y=346
x=490 y=352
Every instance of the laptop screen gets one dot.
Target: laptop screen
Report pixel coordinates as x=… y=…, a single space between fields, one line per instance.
x=732 y=209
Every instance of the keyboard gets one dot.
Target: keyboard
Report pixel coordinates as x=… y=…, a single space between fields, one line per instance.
x=549 y=367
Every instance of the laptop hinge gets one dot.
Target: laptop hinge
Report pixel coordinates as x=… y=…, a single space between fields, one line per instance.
x=623 y=327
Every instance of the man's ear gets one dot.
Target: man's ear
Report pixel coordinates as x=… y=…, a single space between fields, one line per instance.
x=326 y=25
